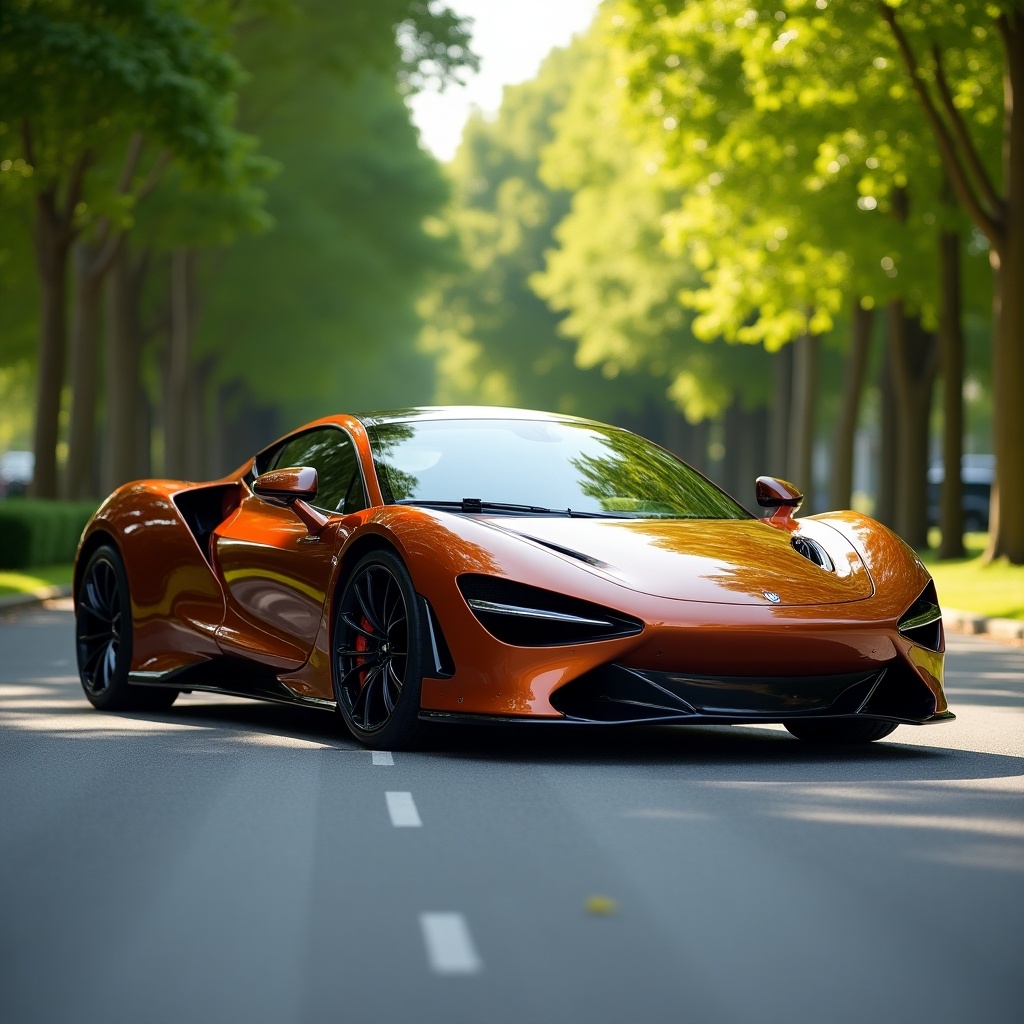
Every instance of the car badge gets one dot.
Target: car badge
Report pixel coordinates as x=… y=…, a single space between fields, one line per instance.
x=772 y=596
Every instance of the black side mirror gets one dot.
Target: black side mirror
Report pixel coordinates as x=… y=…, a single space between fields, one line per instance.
x=780 y=495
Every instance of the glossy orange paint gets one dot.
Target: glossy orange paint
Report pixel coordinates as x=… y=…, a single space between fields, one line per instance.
x=261 y=582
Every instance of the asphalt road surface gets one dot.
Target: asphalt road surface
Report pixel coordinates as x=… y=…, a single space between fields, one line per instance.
x=233 y=861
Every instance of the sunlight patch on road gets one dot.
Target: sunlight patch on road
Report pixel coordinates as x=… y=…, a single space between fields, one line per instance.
x=942 y=822
x=16 y=692
x=958 y=691
x=91 y=725
x=992 y=856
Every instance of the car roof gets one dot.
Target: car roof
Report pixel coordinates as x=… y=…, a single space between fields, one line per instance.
x=466 y=412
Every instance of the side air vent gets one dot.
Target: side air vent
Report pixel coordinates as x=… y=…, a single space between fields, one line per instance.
x=526 y=616
x=440 y=654
x=922 y=622
x=205 y=508
x=813 y=552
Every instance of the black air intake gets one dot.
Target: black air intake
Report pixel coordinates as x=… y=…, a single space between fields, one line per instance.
x=922 y=622
x=526 y=616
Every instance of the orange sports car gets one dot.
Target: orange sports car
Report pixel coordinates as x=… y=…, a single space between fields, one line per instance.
x=454 y=564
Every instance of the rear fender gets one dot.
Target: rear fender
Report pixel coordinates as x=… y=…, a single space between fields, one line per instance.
x=177 y=601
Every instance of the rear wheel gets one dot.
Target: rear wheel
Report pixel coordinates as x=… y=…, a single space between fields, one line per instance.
x=103 y=638
x=378 y=664
x=840 y=730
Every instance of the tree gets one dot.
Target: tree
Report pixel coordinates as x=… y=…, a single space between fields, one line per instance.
x=958 y=94
x=785 y=135
x=494 y=338
x=319 y=313
x=617 y=284
x=77 y=82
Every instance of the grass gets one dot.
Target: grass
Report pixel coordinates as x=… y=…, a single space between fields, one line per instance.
x=996 y=590
x=32 y=579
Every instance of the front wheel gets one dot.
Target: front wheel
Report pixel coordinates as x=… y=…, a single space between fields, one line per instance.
x=377 y=640
x=103 y=638
x=840 y=730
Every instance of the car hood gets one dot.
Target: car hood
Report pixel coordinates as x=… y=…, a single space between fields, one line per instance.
x=718 y=561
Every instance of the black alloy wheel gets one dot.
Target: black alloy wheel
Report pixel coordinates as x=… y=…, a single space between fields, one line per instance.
x=840 y=730
x=103 y=638
x=377 y=643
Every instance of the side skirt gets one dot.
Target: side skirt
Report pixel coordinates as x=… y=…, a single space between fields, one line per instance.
x=232 y=677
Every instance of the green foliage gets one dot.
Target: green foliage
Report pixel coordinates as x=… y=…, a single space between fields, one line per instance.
x=496 y=341
x=76 y=79
x=790 y=134
x=434 y=43
x=319 y=313
x=39 y=533
x=610 y=273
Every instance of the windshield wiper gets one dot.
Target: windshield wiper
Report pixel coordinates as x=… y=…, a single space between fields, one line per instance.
x=476 y=505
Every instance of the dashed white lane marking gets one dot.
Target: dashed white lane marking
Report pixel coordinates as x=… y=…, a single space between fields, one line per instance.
x=449 y=944
x=382 y=757
x=402 y=810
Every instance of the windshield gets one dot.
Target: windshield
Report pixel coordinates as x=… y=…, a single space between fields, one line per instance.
x=540 y=465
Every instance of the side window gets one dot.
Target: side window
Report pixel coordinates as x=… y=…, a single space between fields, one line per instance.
x=332 y=454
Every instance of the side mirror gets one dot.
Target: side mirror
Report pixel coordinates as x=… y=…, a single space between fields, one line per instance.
x=293 y=488
x=283 y=486
x=779 y=495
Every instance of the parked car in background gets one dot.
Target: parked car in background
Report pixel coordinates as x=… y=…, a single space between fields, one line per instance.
x=16 y=470
x=977 y=473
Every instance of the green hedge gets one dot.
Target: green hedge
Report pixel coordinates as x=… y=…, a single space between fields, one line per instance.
x=36 y=533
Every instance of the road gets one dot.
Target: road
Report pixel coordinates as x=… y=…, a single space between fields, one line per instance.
x=232 y=861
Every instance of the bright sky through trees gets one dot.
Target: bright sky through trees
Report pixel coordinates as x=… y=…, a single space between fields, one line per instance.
x=511 y=39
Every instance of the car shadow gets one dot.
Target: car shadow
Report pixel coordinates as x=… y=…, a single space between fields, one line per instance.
x=765 y=752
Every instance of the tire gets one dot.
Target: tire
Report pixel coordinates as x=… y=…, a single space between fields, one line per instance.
x=840 y=730
x=378 y=661
x=103 y=638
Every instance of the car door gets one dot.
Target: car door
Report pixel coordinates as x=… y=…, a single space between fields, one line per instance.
x=276 y=574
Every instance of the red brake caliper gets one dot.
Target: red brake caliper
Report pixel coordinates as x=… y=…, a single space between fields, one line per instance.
x=363 y=644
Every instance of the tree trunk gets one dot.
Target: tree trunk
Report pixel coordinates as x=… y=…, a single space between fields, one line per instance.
x=778 y=445
x=686 y=440
x=1006 y=520
x=734 y=431
x=841 y=495
x=912 y=355
x=179 y=356
x=79 y=477
x=52 y=241
x=951 y=364
x=803 y=414
x=123 y=372
x=144 y=438
x=198 y=420
x=701 y=438
x=746 y=444
x=888 y=446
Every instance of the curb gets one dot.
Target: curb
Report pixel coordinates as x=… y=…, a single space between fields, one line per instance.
x=15 y=602
x=970 y=622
